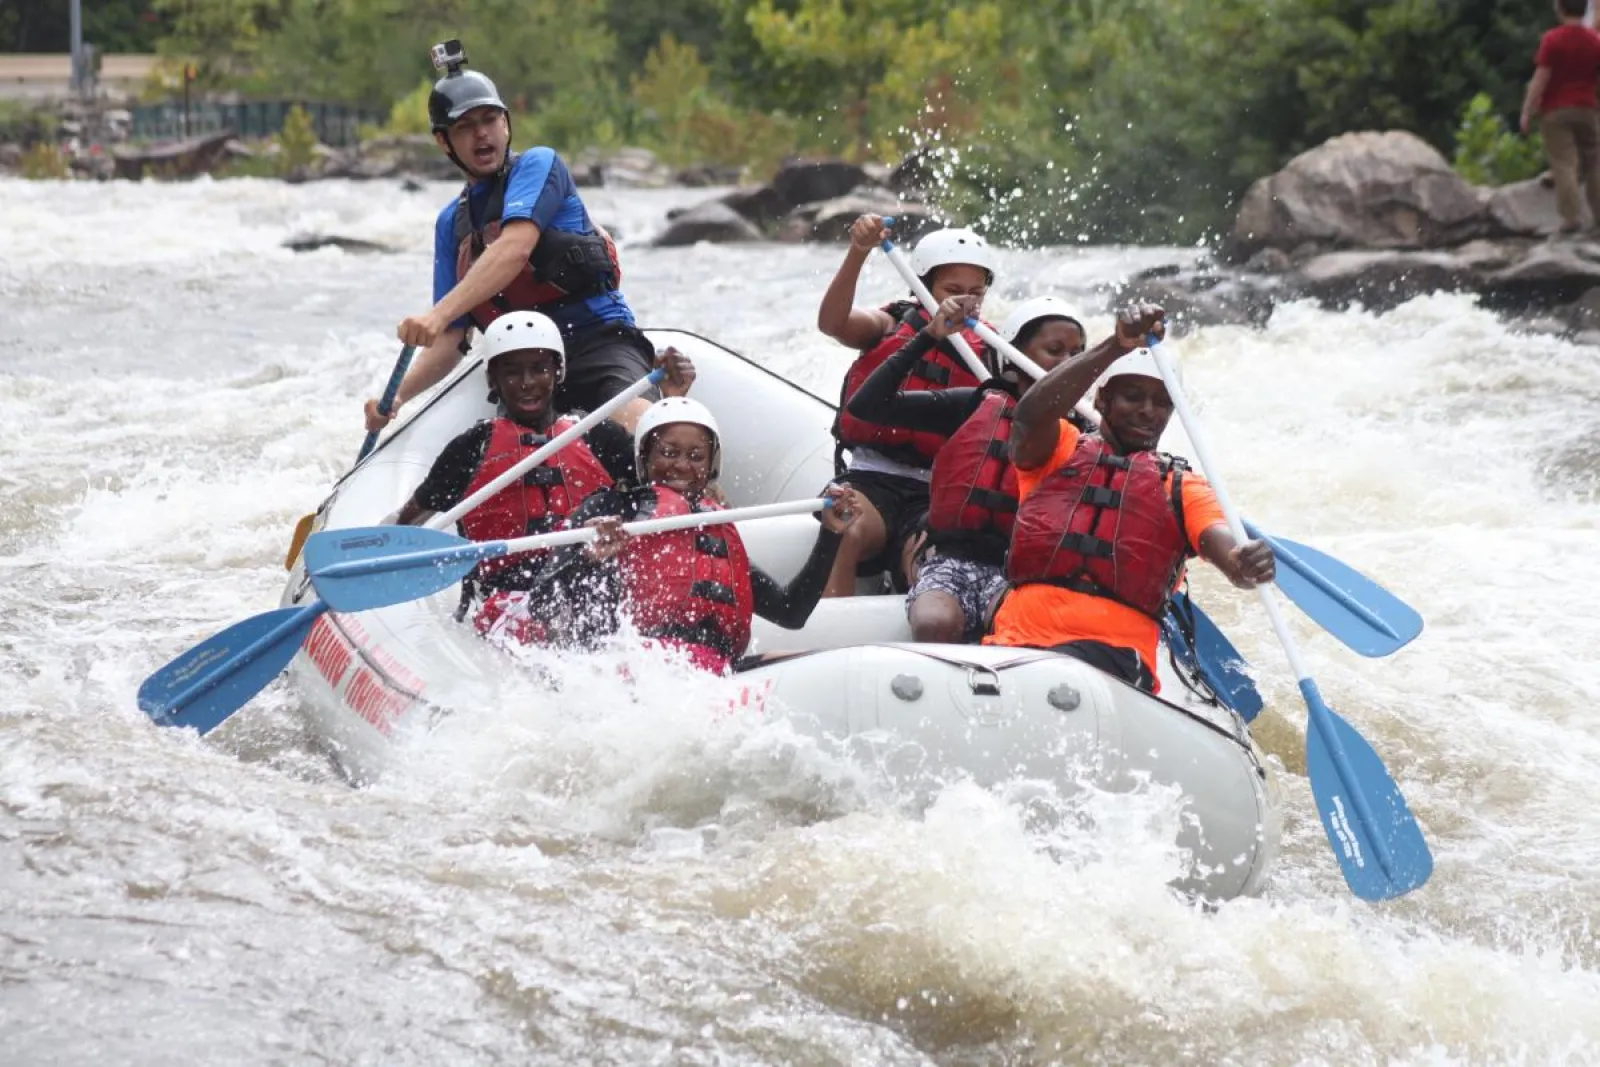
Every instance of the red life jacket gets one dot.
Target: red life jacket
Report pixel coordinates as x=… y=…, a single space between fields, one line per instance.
x=546 y=495
x=1105 y=524
x=563 y=265
x=974 y=485
x=688 y=586
x=940 y=369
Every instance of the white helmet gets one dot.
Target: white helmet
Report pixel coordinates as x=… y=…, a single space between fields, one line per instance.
x=1030 y=311
x=666 y=412
x=955 y=245
x=519 y=331
x=1139 y=362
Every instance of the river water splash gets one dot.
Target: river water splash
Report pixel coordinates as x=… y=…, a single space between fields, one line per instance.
x=603 y=878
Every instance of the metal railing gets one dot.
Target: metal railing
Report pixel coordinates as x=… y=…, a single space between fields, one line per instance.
x=336 y=124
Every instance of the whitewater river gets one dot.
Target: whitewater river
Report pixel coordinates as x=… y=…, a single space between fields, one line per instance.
x=604 y=883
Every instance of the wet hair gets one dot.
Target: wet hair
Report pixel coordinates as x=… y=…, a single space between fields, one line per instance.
x=1572 y=8
x=1025 y=337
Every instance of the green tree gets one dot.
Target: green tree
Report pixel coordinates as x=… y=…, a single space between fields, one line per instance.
x=297 y=141
x=870 y=65
x=638 y=26
x=222 y=37
x=552 y=61
x=1487 y=153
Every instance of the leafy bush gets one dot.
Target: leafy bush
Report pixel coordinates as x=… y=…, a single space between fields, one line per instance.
x=679 y=116
x=409 y=115
x=24 y=123
x=45 y=161
x=297 y=143
x=1487 y=153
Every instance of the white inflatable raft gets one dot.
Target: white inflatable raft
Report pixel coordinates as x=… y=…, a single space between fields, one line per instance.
x=994 y=714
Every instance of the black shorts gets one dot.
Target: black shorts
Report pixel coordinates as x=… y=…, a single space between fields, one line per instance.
x=1123 y=663
x=903 y=503
x=601 y=363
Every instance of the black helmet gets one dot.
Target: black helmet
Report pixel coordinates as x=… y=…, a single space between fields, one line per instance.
x=457 y=93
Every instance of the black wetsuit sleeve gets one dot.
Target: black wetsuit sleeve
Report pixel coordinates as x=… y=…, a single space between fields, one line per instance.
x=612 y=445
x=446 y=483
x=881 y=400
x=790 y=606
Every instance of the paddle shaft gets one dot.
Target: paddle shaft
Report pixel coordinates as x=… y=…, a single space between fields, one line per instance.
x=1017 y=358
x=481 y=550
x=447 y=519
x=386 y=404
x=964 y=350
x=1316 y=707
x=667 y=525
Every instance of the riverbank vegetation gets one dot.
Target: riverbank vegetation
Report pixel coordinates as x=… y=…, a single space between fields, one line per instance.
x=1051 y=120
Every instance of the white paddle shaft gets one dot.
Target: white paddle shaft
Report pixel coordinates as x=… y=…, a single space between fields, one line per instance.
x=445 y=520
x=676 y=522
x=1202 y=448
x=968 y=356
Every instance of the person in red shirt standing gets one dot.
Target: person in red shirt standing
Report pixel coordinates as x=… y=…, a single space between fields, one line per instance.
x=1563 y=92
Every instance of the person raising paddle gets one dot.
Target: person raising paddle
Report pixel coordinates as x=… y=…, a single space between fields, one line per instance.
x=525 y=363
x=517 y=238
x=960 y=566
x=1106 y=522
x=890 y=464
x=693 y=590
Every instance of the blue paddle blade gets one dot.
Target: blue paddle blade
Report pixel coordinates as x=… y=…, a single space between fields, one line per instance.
x=215 y=678
x=1215 y=659
x=375 y=566
x=1378 y=843
x=1352 y=607
x=1221 y=665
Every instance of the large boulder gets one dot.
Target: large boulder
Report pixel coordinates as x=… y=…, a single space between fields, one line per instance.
x=1550 y=273
x=761 y=204
x=808 y=181
x=1382 y=280
x=1526 y=208
x=830 y=220
x=1201 y=296
x=710 y=221
x=1361 y=190
x=626 y=167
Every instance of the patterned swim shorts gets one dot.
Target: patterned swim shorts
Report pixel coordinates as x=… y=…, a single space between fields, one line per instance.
x=975 y=586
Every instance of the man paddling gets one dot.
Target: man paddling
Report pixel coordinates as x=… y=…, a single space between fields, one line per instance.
x=517 y=238
x=525 y=363
x=1106 y=522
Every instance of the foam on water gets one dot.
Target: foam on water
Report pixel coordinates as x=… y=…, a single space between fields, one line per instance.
x=616 y=872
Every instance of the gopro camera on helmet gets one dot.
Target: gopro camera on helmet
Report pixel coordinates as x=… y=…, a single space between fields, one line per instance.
x=449 y=56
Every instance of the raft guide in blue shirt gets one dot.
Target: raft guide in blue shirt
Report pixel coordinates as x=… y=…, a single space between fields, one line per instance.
x=541 y=190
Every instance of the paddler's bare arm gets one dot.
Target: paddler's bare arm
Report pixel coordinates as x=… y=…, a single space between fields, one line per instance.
x=1037 y=423
x=493 y=271
x=837 y=316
